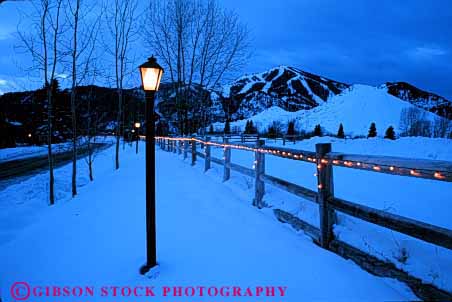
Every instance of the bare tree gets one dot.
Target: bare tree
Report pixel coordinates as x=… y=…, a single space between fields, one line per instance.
x=95 y=120
x=200 y=44
x=42 y=41
x=411 y=121
x=121 y=20
x=81 y=46
x=441 y=126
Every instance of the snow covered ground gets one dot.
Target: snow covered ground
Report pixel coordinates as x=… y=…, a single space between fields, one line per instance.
x=16 y=153
x=208 y=235
x=30 y=151
x=421 y=199
x=355 y=108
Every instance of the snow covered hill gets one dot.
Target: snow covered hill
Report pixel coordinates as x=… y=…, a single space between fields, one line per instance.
x=356 y=108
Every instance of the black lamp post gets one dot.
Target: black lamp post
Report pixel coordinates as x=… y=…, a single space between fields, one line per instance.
x=151 y=73
x=137 y=127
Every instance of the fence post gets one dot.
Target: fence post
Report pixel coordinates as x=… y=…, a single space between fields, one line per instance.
x=259 y=168
x=207 y=155
x=193 y=151
x=227 y=161
x=175 y=146
x=185 y=148
x=325 y=189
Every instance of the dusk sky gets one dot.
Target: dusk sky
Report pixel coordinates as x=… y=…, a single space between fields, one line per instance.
x=353 y=41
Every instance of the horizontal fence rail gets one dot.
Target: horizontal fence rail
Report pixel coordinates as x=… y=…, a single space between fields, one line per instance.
x=324 y=160
x=420 y=168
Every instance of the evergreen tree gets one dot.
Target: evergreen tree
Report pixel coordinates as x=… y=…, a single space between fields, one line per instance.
x=318 y=130
x=211 y=129
x=340 y=132
x=291 y=128
x=227 y=127
x=390 y=133
x=272 y=131
x=372 y=131
x=253 y=129
x=247 y=127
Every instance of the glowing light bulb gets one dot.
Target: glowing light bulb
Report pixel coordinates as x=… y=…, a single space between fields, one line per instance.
x=439 y=175
x=415 y=173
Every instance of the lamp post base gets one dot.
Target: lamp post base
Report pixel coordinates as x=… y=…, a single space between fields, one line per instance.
x=150 y=271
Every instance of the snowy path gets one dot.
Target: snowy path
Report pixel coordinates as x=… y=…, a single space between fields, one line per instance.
x=207 y=235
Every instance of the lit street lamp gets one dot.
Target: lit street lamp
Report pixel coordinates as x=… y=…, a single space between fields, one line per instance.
x=151 y=73
x=137 y=126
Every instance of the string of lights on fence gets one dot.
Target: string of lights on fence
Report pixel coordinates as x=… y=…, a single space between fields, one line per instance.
x=310 y=157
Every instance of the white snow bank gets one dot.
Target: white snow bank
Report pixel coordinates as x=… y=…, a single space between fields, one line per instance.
x=8 y=154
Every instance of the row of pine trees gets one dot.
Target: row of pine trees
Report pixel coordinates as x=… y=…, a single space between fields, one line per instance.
x=273 y=130
x=389 y=134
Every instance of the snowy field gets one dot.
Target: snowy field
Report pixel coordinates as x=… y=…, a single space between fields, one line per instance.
x=421 y=199
x=208 y=235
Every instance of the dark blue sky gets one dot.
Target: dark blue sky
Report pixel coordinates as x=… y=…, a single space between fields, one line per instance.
x=354 y=41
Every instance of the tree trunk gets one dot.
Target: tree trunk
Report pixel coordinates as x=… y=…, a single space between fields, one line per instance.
x=74 y=144
x=90 y=163
x=49 y=145
x=118 y=127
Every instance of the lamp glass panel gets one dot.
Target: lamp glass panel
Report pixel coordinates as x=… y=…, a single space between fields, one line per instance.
x=150 y=78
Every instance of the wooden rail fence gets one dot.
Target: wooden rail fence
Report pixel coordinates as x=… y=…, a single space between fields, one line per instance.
x=325 y=160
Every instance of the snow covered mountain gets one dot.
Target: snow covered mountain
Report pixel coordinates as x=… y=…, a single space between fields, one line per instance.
x=293 y=89
x=286 y=87
x=356 y=108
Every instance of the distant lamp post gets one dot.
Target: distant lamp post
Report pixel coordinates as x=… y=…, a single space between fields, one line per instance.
x=137 y=138
x=151 y=74
x=29 y=135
